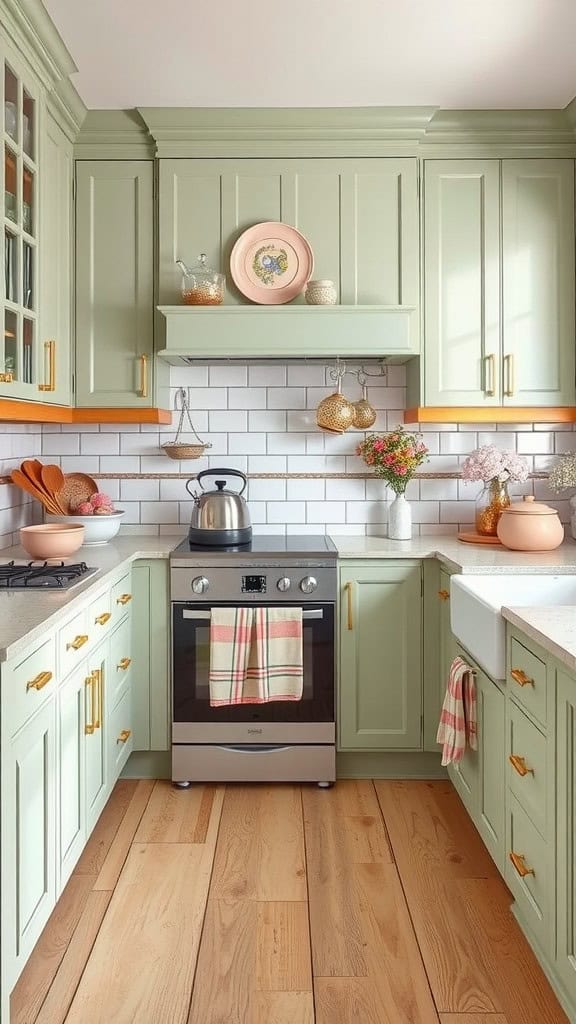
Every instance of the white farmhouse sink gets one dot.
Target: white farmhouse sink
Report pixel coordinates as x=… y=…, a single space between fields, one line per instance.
x=475 y=610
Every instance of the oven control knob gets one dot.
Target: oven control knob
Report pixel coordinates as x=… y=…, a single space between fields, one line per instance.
x=200 y=584
x=308 y=584
x=283 y=584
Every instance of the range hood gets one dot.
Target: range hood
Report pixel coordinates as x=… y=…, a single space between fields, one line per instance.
x=288 y=332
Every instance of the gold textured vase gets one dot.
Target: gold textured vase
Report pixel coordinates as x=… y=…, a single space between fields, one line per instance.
x=490 y=504
x=364 y=414
x=335 y=413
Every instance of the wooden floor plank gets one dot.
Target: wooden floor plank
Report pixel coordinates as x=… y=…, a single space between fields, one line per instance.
x=281 y=1008
x=142 y=964
x=61 y=993
x=38 y=974
x=96 y=849
x=430 y=831
x=283 y=961
x=176 y=815
x=473 y=1018
x=349 y=1001
x=260 y=854
x=120 y=846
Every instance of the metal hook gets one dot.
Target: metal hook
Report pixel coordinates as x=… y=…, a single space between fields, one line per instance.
x=184 y=400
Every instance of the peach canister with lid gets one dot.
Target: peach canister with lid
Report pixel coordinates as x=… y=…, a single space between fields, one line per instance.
x=530 y=525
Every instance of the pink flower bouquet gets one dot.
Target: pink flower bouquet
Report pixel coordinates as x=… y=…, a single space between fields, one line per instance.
x=394 y=457
x=490 y=463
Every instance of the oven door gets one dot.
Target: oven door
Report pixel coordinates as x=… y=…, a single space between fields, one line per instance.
x=191 y=694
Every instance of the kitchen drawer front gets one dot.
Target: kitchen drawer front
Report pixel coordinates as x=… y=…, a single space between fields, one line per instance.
x=120 y=658
x=527 y=680
x=28 y=684
x=527 y=766
x=533 y=892
x=74 y=641
x=121 y=597
x=121 y=732
x=99 y=616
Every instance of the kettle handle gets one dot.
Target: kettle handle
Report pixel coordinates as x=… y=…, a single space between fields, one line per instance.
x=222 y=472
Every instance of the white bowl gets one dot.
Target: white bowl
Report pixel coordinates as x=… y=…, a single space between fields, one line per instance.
x=97 y=529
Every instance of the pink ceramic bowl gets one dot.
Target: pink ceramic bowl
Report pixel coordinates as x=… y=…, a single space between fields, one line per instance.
x=51 y=540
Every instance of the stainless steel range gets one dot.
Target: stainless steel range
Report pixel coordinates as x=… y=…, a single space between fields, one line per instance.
x=277 y=741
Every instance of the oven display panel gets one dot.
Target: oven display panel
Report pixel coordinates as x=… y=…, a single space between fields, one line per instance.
x=253 y=584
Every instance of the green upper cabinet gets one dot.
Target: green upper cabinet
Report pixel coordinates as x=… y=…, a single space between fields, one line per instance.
x=499 y=320
x=360 y=217
x=462 y=282
x=114 y=284
x=21 y=111
x=55 y=337
x=566 y=832
x=538 y=343
x=380 y=672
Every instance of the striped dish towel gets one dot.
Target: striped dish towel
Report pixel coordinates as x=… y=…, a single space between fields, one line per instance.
x=255 y=655
x=458 y=718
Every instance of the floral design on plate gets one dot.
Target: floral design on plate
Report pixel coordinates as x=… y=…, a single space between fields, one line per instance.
x=268 y=262
x=271 y=263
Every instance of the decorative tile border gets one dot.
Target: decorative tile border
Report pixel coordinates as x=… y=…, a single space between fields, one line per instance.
x=277 y=476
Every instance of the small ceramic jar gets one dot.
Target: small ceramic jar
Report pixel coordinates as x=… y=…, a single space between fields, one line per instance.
x=530 y=525
x=321 y=293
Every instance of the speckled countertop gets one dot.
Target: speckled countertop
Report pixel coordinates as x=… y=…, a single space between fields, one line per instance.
x=554 y=628
x=24 y=616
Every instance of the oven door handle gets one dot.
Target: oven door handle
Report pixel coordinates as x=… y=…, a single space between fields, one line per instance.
x=312 y=613
x=255 y=748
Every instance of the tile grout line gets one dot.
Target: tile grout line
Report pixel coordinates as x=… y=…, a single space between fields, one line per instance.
x=312 y=975
x=406 y=902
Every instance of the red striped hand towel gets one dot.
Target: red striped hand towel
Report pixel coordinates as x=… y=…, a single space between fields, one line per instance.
x=255 y=655
x=458 y=718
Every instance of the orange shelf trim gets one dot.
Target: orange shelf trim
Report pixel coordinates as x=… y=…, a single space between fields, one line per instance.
x=490 y=414
x=14 y=411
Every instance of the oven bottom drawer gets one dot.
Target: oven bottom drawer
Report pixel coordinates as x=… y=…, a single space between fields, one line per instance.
x=237 y=734
x=208 y=763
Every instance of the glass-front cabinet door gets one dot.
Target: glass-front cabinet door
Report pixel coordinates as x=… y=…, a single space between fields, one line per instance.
x=21 y=363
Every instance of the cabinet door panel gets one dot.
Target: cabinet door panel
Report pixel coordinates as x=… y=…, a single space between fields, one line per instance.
x=462 y=282
x=491 y=749
x=72 y=718
x=380 y=658
x=114 y=281
x=538 y=281
x=56 y=267
x=566 y=832
x=96 y=761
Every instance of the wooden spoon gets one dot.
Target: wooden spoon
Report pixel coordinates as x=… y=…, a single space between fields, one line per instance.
x=25 y=484
x=53 y=481
x=32 y=469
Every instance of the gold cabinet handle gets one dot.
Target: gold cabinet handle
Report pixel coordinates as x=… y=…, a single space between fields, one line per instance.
x=443 y=595
x=41 y=680
x=490 y=374
x=97 y=673
x=520 y=677
x=509 y=376
x=348 y=588
x=102 y=619
x=78 y=642
x=124 y=599
x=519 y=765
x=90 y=726
x=143 y=392
x=50 y=347
x=518 y=862
x=124 y=663
x=124 y=735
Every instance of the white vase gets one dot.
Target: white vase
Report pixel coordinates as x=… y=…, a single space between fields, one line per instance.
x=400 y=519
x=573 y=516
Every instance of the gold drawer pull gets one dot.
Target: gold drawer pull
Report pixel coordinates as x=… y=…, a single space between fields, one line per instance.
x=124 y=599
x=520 y=677
x=101 y=620
x=518 y=862
x=519 y=765
x=78 y=642
x=143 y=390
x=443 y=595
x=90 y=681
x=124 y=663
x=124 y=735
x=50 y=348
x=348 y=589
x=41 y=680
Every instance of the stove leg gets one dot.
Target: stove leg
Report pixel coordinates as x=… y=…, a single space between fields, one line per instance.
x=182 y=785
x=325 y=785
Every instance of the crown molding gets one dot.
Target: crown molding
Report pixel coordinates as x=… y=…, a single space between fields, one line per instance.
x=113 y=134
x=32 y=31
x=67 y=108
x=570 y=112
x=509 y=127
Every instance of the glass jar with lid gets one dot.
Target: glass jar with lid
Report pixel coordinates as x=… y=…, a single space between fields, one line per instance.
x=201 y=286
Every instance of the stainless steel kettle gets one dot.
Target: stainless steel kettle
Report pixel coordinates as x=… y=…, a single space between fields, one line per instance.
x=219 y=517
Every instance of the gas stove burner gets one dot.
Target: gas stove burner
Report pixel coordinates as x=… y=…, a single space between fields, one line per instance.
x=42 y=575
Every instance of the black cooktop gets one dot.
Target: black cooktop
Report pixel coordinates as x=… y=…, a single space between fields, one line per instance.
x=292 y=545
x=42 y=575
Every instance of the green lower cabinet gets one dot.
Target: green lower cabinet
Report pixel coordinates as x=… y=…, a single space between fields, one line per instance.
x=97 y=787
x=151 y=655
x=120 y=733
x=29 y=837
x=565 y=963
x=74 y=713
x=380 y=673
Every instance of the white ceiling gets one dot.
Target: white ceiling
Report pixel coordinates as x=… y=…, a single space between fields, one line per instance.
x=258 y=53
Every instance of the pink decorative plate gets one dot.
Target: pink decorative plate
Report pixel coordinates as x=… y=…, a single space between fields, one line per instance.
x=271 y=263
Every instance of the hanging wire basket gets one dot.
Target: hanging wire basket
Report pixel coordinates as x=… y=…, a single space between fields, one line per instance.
x=178 y=449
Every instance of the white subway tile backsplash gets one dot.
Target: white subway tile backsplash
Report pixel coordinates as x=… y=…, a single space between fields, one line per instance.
x=345 y=490
x=247 y=398
x=268 y=490
x=79 y=463
x=158 y=512
x=239 y=462
x=60 y=444
x=267 y=464
x=286 y=511
x=172 y=490
x=316 y=464
x=136 y=444
x=457 y=444
x=100 y=444
x=271 y=376
x=140 y=490
x=212 y=398
x=247 y=444
x=366 y=512
x=438 y=490
x=306 y=376
x=257 y=512
x=536 y=443
x=227 y=421
x=456 y=512
x=286 y=398
x=271 y=421
x=322 y=511
x=505 y=439
x=315 y=443
x=227 y=376
x=306 y=490
x=565 y=443
x=195 y=376
x=287 y=444
x=119 y=464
